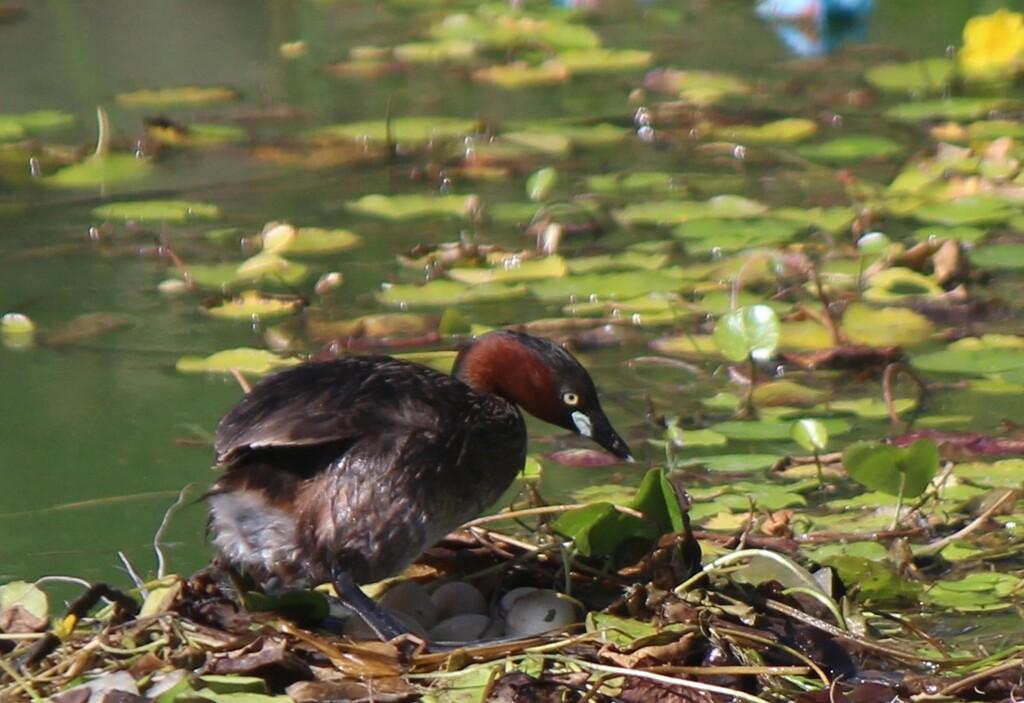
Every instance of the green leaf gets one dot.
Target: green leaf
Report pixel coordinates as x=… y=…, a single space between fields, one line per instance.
x=25 y=594
x=157 y=211
x=253 y=304
x=412 y=207
x=677 y=211
x=580 y=61
x=810 y=434
x=989 y=354
x=851 y=148
x=883 y=467
x=930 y=75
x=403 y=130
x=100 y=170
x=750 y=332
x=1008 y=256
x=971 y=210
x=958 y=109
x=539 y=185
x=246 y=360
x=754 y=430
x=512 y=269
x=785 y=131
x=167 y=97
x=607 y=286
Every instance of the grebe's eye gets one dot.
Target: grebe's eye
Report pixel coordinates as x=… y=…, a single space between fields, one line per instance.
x=570 y=399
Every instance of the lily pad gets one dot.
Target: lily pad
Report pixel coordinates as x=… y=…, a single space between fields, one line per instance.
x=930 y=75
x=605 y=60
x=157 y=211
x=100 y=170
x=403 y=130
x=749 y=332
x=959 y=109
x=310 y=241
x=756 y=430
x=972 y=210
x=678 y=211
x=893 y=470
x=412 y=207
x=989 y=354
x=714 y=234
x=167 y=97
x=520 y=74
x=513 y=269
x=253 y=304
x=999 y=256
x=443 y=292
x=786 y=131
x=245 y=360
x=898 y=283
x=851 y=148
x=606 y=286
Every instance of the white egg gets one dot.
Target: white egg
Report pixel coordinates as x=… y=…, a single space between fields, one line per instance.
x=467 y=627
x=537 y=612
x=509 y=599
x=457 y=598
x=411 y=598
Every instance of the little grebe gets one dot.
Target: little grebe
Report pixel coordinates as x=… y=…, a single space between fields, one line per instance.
x=347 y=470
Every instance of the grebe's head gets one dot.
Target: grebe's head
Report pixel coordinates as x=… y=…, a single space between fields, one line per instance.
x=542 y=378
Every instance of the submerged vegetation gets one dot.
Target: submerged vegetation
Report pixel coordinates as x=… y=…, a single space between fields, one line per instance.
x=814 y=293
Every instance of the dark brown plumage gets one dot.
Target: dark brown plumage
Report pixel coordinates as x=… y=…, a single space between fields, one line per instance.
x=350 y=469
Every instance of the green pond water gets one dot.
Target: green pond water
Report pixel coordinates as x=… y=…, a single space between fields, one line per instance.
x=99 y=435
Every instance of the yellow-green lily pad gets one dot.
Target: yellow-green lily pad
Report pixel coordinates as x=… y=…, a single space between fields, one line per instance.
x=311 y=241
x=998 y=256
x=512 y=269
x=900 y=283
x=971 y=210
x=520 y=74
x=412 y=207
x=606 y=286
x=977 y=356
x=403 y=130
x=957 y=109
x=714 y=234
x=243 y=359
x=785 y=131
x=157 y=211
x=883 y=327
x=580 y=61
x=251 y=304
x=851 y=148
x=441 y=292
x=913 y=76
x=100 y=170
x=678 y=211
x=167 y=97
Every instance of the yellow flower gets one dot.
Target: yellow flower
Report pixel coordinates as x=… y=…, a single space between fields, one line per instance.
x=993 y=43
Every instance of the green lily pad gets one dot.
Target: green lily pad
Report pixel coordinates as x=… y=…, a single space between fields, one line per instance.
x=167 y=97
x=998 y=256
x=989 y=354
x=442 y=292
x=889 y=326
x=890 y=469
x=519 y=74
x=769 y=430
x=245 y=360
x=27 y=595
x=547 y=142
x=715 y=235
x=702 y=87
x=157 y=211
x=957 y=109
x=975 y=592
x=606 y=286
x=873 y=407
x=733 y=463
x=622 y=261
x=972 y=210
x=403 y=130
x=930 y=75
x=962 y=233
x=253 y=304
x=749 y=332
x=637 y=182
x=412 y=207
x=36 y=122
x=786 y=131
x=495 y=26
x=100 y=170
x=540 y=184
x=435 y=51
x=605 y=60
x=17 y=331
x=851 y=148
x=678 y=211
x=310 y=241
x=1007 y=473
x=512 y=269
x=898 y=283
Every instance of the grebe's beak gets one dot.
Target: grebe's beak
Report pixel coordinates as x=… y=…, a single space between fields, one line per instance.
x=595 y=424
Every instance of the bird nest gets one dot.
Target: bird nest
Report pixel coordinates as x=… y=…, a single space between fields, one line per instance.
x=662 y=629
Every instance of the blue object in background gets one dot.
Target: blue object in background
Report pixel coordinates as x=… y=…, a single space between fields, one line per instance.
x=816 y=27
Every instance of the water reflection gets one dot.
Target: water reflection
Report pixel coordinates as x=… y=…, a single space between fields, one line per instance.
x=816 y=27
